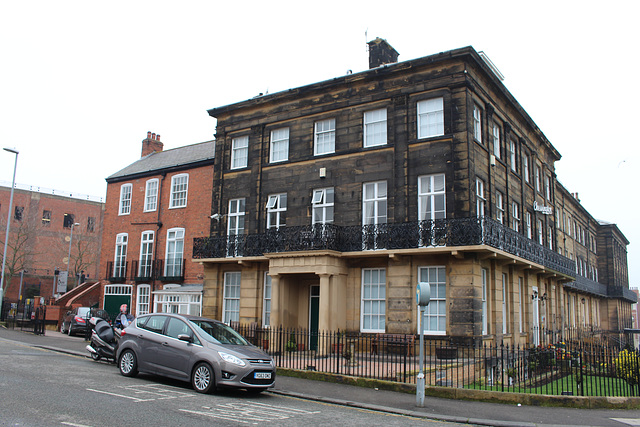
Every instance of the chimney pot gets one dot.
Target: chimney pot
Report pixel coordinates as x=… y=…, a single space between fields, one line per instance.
x=149 y=135
x=158 y=137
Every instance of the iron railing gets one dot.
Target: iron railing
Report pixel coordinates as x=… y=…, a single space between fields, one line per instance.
x=154 y=271
x=579 y=367
x=409 y=235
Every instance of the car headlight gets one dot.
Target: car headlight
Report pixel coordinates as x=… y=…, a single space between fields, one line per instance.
x=231 y=358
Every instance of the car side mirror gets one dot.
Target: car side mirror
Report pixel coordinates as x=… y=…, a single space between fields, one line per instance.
x=185 y=337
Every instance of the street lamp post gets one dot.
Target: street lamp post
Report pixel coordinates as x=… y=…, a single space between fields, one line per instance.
x=69 y=257
x=6 y=236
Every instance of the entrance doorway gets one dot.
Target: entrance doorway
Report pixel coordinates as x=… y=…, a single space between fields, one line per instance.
x=314 y=316
x=535 y=321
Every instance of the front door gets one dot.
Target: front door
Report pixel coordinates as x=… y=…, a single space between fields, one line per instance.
x=314 y=316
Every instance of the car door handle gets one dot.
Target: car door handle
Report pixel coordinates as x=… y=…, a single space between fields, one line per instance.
x=165 y=343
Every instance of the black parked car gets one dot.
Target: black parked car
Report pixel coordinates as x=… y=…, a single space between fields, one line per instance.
x=76 y=320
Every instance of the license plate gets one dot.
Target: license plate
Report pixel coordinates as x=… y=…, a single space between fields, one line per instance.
x=262 y=375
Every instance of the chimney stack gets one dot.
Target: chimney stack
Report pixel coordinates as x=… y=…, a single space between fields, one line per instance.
x=151 y=144
x=381 y=52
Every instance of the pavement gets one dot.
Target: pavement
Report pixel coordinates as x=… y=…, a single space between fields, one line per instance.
x=373 y=398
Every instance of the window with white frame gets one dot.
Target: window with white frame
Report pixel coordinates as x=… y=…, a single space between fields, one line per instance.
x=266 y=301
x=529 y=226
x=515 y=216
x=499 y=207
x=525 y=167
x=538 y=178
x=231 y=297
x=435 y=322
x=322 y=206
x=235 y=223
x=120 y=261
x=480 y=200
x=374 y=203
x=375 y=128
x=279 y=145
x=512 y=154
x=125 y=199
x=277 y=210
x=430 y=118
x=174 y=253
x=477 y=123
x=373 y=303
x=146 y=254
x=179 y=302
x=550 y=237
x=505 y=304
x=485 y=309
x=151 y=195
x=540 y=233
x=496 y=140
x=431 y=197
x=179 y=189
x=239 y=152
x=547 y=187
x=143 y=299
x=325 y=137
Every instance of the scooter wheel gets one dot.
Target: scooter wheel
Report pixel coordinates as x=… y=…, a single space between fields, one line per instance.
x=95 y=356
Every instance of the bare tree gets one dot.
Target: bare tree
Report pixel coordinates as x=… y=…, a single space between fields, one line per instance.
x=19 y=251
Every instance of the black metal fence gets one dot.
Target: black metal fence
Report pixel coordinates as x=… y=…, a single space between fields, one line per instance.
x=24 y=315
x=579 y=368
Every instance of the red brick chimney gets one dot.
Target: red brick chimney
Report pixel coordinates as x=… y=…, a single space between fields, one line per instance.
x=151 y=144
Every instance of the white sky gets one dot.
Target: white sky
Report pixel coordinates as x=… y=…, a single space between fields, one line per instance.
x=81 y=82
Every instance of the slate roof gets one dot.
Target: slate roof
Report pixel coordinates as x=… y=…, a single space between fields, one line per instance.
x=168 y=159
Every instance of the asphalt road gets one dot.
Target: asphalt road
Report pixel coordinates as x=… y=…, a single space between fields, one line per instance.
x=40 y=387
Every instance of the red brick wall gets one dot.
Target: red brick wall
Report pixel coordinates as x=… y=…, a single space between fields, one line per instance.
x=194 y=218
x=48 y=244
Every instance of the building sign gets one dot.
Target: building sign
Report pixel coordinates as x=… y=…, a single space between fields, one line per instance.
x=547 y=210
x=62 y=282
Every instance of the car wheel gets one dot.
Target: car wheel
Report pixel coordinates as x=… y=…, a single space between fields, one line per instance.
x=95 y=356
x=128 y=364
x=62 y=331
x=69 y=330
x=202 y=379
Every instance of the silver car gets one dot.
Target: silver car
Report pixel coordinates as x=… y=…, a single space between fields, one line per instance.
x=204 y=351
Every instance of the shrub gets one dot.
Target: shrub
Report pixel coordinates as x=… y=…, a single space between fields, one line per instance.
x=627 y=366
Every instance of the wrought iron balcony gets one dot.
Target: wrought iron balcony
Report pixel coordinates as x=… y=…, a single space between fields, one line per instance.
x=432 y=233
x=153 y=271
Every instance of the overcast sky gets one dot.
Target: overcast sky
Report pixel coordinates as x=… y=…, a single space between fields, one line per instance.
x=81 y=82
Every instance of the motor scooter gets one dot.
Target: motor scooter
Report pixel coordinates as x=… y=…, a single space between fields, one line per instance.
x=104 y=340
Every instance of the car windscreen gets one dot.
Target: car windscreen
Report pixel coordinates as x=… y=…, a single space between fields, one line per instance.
x=218 y=333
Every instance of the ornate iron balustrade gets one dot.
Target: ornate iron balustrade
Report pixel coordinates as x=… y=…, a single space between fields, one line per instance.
x=431 y=233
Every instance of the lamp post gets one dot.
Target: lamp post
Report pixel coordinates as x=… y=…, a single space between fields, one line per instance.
x=69 y=257
x=6 y=236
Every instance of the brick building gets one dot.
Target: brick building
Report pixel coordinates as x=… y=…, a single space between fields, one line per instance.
x=155 y=207
x=332 y=202
x=40 y=240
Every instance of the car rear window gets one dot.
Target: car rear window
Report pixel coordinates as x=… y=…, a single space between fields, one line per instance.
x=83 y=311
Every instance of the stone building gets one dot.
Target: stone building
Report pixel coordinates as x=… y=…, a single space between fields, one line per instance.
x=332 y=201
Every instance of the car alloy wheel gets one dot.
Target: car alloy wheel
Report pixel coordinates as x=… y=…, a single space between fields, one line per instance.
x=128 y=364
x=202 y=379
